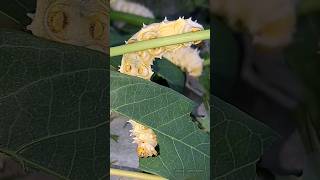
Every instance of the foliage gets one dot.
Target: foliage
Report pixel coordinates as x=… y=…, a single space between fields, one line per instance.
x=53 y=105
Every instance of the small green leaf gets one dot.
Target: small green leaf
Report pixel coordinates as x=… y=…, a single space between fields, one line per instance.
x=171 y=73
x=183 y=148
x=53 y=106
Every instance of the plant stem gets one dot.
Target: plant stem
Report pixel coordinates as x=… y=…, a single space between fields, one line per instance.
x=130 y=18
x=130 y=174
x=159 y=42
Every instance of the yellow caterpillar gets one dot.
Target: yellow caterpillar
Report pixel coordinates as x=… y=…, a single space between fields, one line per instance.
x=145 y=138
x=139 y=63
x=131 y=7
x=271 y=23
x=82 y=23
x=188 y=59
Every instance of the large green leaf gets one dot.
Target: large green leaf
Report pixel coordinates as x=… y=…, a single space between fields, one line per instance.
x=238 y=142
x=53 y=106
x=183 y=148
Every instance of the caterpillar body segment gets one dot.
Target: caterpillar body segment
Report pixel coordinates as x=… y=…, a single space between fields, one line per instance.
x=77 y=22
x=187 y=59
x=139 y=63
x=145 y=138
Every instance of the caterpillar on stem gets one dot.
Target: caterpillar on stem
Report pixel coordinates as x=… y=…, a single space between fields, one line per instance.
x=139 y=64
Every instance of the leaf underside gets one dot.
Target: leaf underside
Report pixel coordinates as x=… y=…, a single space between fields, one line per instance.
x=183 y=148
x=53 y=106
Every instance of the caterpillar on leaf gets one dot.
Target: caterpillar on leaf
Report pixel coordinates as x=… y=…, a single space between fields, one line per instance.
x=139 y=63
x=145 y=138
x=82 y=23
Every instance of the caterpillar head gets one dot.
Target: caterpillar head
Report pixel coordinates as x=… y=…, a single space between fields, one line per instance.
x=146 y=150
x=133 y=65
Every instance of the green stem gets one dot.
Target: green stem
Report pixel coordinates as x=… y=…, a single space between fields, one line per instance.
x=135 y=175
x=159 y=42
x=130 y=18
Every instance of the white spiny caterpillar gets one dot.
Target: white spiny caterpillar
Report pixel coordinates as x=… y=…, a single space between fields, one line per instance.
x=131 y=7
x=76 y=22
x=139 y=63
x=271 y=23
x=145 y=138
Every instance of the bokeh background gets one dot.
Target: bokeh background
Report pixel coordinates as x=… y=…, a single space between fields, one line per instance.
x=266 y=62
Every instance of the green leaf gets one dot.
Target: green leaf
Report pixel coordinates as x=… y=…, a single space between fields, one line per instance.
x=171 y=73
x=53 y=106
x=17 y=10
x=183 y=148
x=238 y=142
